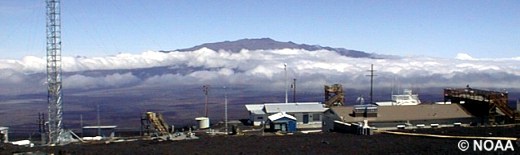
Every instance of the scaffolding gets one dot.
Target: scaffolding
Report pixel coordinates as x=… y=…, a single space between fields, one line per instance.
x=334 y=95
x=154 y=124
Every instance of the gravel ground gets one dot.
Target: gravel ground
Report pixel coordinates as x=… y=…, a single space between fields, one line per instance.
x=320 y=143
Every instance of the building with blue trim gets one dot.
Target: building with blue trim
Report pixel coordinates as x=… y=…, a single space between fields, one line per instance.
x=308 y=115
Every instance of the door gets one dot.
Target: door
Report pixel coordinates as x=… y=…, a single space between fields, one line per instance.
x=305 y=118
x=291 y=126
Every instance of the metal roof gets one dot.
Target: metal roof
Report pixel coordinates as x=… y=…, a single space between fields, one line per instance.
x=280 y=115
x=294 y=107
x=261 y=112
x=412 y=112
x=253 y=107
x=285 y=107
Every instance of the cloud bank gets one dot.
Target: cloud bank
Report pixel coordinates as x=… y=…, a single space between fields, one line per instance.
x=262 y=69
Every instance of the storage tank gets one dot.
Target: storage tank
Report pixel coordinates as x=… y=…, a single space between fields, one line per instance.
x=203 y=122
x=4 y=132
x=518 y=105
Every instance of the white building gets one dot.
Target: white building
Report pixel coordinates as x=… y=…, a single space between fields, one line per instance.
x=282 y=122
x=307 y=114
x=407 y=98
x=256 y=113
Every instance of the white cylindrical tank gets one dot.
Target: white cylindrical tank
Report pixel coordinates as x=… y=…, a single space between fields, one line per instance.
x=4 y=132
x=518 y=105
x=203 y=122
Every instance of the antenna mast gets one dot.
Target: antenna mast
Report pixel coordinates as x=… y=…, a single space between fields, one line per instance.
x=226 y=109
x=371 y=82
x=293 y=86
x=285 y=81
x=54 y=96
x=205 y=89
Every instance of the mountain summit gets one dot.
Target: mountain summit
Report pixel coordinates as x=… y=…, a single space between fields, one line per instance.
x=270 y=44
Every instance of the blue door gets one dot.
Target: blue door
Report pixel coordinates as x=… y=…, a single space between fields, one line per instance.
x=291 y=126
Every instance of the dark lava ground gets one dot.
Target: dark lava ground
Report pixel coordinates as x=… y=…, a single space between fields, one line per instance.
x=320 y=143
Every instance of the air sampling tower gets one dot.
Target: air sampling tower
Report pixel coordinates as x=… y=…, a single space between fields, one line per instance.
x=54 y=96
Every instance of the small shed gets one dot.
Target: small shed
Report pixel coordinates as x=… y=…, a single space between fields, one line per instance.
x=256 y=113
x=366 y=110
x=282 y=122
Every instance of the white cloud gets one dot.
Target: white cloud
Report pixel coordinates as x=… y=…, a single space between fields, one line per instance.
x=260 y=70
x=10 y=76
x=464 y=56
x=264 y=70
x=78 y=81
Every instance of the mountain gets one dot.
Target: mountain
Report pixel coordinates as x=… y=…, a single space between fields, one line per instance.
x=269 y=44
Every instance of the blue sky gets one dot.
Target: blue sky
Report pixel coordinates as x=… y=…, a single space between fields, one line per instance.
x=486 y=29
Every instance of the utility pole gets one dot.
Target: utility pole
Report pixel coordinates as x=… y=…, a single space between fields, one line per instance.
x=371 y=83
x=41 y=126
x=98 y=121
x=285 y=81
x=81 y=124
x=225 y=109
x=54 y=94
x=294 y=90
x=205 y=89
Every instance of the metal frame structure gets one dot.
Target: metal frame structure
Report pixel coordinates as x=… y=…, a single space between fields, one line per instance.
x=54 y=96
x=334 y=95
x=482 y=102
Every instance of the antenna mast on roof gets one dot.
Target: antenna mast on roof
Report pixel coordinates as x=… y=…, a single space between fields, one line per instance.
x=54 y=96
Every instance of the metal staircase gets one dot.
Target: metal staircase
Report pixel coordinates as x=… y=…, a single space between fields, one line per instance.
x=334 y=95
x=156 y=121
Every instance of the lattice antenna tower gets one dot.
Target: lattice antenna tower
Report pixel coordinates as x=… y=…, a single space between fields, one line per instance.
x=54 y=96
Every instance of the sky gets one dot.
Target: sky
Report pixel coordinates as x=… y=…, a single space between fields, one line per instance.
x=482 y=29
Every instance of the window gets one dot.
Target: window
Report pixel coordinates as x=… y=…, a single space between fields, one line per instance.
x=315 y=117
x=260 y=117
